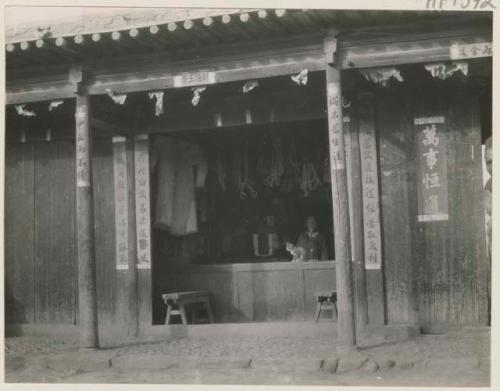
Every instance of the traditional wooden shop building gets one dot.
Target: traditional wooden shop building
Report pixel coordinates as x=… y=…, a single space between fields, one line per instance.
x=177 y=150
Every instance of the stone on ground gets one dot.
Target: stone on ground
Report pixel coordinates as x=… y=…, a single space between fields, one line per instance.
x=330 y=364
x=386 y=363
x=370 y=366
x=350 y=361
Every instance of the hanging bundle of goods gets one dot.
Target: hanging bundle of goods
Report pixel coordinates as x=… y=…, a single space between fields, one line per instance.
x=221 y=168
x=277 y=165
x=241 y=172
x=308 y=180
x=290 y=180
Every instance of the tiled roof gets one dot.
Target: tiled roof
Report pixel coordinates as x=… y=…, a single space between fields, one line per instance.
x=120 y=20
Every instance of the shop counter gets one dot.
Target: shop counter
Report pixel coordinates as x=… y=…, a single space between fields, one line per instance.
x=256 y=291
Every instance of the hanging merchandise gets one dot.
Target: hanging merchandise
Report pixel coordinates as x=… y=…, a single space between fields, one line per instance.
x=301 y=78
x=21 y=110
x=327 y=175
x=346 y=103
x=54 y=104
x=117 y=98
x=182 y=169
x=264 y=244
x=309 y=180
x=250 y=85
x=443 y=71
x=277 y=168
x=158 y=95
x=382 y=75
x=221 y=169
x=291 y=175
x=241 y=174
x=196 y=95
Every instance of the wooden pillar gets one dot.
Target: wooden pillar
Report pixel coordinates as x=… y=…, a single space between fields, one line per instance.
x=371 y=210
x=353 y=162
x=85 y=246
x=345 y=292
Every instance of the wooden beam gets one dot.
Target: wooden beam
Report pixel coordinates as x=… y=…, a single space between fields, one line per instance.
x=341 y=224
x=85 y=240
x=254 y=60
x=280 y=13
x=113 y=129
x=396 y=53
x=208 y=21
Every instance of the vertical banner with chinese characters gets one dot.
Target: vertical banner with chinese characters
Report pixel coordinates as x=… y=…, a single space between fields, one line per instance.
x=432 y=172
x=371 y=200
x=335 y=130
x=121 y=201
x=142 y=201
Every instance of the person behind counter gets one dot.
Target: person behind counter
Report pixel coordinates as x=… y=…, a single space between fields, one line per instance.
x=312 y=241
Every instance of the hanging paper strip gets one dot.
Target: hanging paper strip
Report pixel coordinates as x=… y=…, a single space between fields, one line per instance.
x=117 y=98
x=335 y=126
x=249 y=86
x=121 y=202
x=301 y=78
x=443 y=71
x=432 y=170
x=382 y=75
x=21 y=110
x=159 y=107
x=369 y=182
x=196 y=95
x=142 y=201
x=54 y=104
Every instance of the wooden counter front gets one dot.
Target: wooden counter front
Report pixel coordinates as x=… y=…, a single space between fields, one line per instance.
x=255 y=291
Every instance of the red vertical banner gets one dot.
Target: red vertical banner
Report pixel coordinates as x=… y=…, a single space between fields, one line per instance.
x=432 y=170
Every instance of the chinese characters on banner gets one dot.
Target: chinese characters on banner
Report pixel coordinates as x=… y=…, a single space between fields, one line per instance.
x=82 y=148
x=371 y=201
x=143 y=218
x=121 y=202
x=348 y=156
x=432 y=184
x=472 y=50
x=334 y=124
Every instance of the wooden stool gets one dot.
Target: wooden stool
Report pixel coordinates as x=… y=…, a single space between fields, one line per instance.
x=326 y=301
x=181 y=299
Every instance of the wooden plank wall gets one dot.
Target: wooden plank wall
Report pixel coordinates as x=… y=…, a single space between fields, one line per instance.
x=40 y=265
x=395 y=147
x=104 y=217
x=19 y=234
x=55 y=263
x=434 y=271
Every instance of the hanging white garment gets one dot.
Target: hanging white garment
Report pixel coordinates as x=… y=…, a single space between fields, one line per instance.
x=181 y=168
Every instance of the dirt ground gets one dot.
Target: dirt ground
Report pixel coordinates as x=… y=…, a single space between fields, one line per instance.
x=461 y=345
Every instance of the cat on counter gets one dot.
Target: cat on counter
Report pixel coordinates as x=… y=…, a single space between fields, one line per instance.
x=298 y=253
